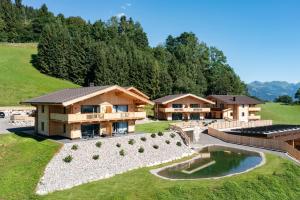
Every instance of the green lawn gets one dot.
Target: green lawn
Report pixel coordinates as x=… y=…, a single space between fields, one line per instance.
x=281 y=114
x=22 y=161
x=19 y=80
x=153 y=127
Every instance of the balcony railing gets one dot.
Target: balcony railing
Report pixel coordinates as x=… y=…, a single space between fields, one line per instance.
x=72 y=118
x=254 y=117
x=169 y=110
x=254 y=109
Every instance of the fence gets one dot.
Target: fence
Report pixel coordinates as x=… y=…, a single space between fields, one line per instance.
x=272 y=144
x=236 y=124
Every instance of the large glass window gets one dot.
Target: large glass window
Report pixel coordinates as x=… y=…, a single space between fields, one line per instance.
x=120 y=127
x=120 y=108
x=90 y=130
x=194 y=116
x=195 y=106
x=90 y=109
x=176 y=116
x=176 y=105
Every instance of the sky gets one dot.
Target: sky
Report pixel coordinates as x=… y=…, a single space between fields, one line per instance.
x=261 y=39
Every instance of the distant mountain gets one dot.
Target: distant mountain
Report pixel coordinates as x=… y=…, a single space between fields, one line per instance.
x=270 y=90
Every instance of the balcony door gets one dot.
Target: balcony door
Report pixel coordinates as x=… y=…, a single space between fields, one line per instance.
x=120 y=108
x=120 y=128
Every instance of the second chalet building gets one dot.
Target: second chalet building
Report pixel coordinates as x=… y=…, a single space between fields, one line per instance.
x=181 y=107
x=89 y=111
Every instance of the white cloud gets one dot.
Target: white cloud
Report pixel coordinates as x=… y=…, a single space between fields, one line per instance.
x=119 y=15
x=123 y=7
x=128 y=4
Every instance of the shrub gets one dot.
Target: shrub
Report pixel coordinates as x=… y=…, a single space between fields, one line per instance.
x=155 y=146
x=68 y=159
x=143 y=139
x=141 y=149
x=160 y=133
x=74 y=147
x=178 y=144
x=122 y=152
x=167 y=141
x=172 y=135
x=131 y=141
x=98 y=144
x=95 y=157
x=153 y=135
x=118 y=145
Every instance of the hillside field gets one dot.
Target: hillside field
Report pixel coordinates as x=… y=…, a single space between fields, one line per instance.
x=19 y=80
x=280 y=113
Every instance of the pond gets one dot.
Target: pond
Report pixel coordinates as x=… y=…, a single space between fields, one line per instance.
x=213 y=161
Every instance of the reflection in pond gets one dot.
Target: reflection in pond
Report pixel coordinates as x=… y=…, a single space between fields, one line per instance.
x=213 y=161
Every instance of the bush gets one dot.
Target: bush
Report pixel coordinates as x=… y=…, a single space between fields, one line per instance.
x=98 y=144
x=68 y=159
x=160 y=133
x=167 y=141
x=143 y=139
x=122 y=152
x=131 y=141
x=172 y=135
x=95 y=157
x=141 y=150
x=155 y=146
x=178 y=144
x=118 y=145
x=153 y=135
x=74 y=147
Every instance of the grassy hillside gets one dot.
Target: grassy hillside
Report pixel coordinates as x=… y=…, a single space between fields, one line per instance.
x=22 y=164
x=281 y=114
x=19 y=80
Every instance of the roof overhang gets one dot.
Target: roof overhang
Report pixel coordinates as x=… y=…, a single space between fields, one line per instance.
x=138 y=92
x=188 y=95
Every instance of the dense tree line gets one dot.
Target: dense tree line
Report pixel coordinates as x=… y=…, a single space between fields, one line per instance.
x=118 y=52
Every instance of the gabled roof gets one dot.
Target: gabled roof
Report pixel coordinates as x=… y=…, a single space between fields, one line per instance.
x=69 y=96
x=235 y=99
x=135 y=90
x=174 y=97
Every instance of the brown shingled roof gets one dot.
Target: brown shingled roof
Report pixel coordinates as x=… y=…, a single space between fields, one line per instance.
x=235 y=99
x=69 y=96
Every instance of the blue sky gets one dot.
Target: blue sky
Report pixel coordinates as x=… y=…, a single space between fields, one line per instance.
x=261 y=39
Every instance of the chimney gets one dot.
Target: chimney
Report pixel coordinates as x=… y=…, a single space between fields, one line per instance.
x=92 y=84
x=233 y=98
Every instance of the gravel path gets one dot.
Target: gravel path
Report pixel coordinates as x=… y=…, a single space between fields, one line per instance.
x=83 y=168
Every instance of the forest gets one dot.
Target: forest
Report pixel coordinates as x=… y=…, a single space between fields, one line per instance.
x=117 y=51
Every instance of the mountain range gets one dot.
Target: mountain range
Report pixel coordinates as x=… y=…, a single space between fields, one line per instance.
x=270 y=90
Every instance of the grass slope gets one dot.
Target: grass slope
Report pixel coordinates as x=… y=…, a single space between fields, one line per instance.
x=22 y=161
x=281 y=114
x=19 y=80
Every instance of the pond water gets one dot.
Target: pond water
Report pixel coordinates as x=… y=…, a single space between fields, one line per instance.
x=213 y=161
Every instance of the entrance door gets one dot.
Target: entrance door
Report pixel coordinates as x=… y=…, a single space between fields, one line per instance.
x=176 y=116
x=194 y=116
x=120 y=128
x=90 y=130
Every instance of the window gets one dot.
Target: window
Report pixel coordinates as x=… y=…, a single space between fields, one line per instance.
x=120 y=108
x=65 y=110
x=176 y=105
x=90 y=108
x=243 y=105
x=65 y=128
x=195 y=106
x=42 y=126
x=231 y=114
x=43 y=109
x=243 y=114
x=176 y=116
x=194 y=116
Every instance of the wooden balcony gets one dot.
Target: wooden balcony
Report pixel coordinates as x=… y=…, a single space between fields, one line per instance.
x=254 y=117
x=187 y=110
x=97 y=117
x=254 y=109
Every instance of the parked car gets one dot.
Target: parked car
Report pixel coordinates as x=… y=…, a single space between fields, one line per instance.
x=2 y=115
